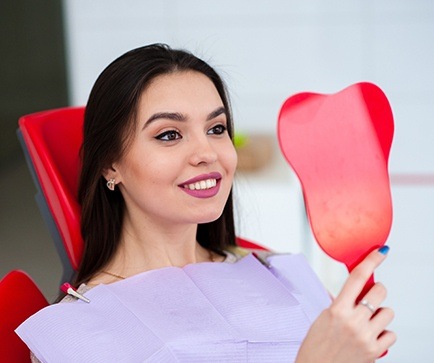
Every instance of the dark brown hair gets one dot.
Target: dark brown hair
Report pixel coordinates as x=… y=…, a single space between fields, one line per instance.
x=108 y=125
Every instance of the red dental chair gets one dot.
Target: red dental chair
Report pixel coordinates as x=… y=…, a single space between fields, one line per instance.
x=51 y=142
x=19 y=299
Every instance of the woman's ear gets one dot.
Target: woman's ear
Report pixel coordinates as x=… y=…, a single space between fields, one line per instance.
x=111 y=173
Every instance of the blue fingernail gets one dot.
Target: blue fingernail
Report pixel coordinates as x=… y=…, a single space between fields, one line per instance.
x=383 y=250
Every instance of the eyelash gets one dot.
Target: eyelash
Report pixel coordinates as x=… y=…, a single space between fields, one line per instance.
x=222 y=129
x=173 y=135
x=167 y=134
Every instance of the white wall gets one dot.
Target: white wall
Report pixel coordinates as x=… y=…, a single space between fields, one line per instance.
x=267 y=51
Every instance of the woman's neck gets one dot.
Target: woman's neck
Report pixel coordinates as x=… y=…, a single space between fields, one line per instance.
x=149 y=248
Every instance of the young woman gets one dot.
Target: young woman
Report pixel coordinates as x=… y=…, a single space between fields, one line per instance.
x=155 y=191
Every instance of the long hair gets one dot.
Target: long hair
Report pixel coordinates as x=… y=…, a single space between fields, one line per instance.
x=109 y=123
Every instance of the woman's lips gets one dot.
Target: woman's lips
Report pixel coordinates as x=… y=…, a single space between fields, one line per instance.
x=202 y=186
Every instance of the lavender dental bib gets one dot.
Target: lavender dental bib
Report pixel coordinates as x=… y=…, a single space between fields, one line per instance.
x=206 y=312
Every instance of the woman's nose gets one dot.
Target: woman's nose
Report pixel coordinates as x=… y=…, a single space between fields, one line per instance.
x=202 y=152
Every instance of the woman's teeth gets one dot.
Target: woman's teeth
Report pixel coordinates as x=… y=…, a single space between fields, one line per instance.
x=201 y=185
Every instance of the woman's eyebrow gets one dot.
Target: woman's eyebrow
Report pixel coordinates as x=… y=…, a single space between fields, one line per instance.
x=176 y=116
x=219 y=111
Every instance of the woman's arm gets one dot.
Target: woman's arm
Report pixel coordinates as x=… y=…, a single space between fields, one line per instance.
x=350 y=332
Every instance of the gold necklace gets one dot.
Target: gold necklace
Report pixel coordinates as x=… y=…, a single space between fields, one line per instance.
x=114 y=275
x=120 y=277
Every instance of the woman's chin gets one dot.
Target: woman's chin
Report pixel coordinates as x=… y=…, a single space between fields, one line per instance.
x=212 y=217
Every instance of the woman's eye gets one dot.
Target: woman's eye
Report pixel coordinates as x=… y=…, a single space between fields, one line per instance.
x=169 y=135
x=217 y=130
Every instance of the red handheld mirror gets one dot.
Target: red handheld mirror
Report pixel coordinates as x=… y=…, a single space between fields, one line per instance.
x=338 y=145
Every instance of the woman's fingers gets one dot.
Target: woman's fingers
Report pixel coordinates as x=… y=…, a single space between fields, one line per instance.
x=360 y=275
x=372 y=300
x=385 y=341
x=382 y=319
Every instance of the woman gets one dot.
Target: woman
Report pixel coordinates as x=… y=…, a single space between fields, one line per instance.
x=155 y=191
x=125 y=138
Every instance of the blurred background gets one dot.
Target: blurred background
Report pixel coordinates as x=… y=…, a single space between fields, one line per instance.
x=52 y=51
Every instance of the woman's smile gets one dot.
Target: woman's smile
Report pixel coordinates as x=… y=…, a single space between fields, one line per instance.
x=203 y=186
x=204 y=182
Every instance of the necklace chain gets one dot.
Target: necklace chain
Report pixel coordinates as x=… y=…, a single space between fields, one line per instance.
x=114 y=275
x=120 y=277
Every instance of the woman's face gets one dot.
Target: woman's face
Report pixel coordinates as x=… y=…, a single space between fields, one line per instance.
x=180 y=165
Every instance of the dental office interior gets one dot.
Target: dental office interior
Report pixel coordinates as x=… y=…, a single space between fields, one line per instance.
x=52 y=52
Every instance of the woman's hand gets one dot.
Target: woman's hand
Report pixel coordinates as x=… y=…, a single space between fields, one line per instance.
x=350 y=332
